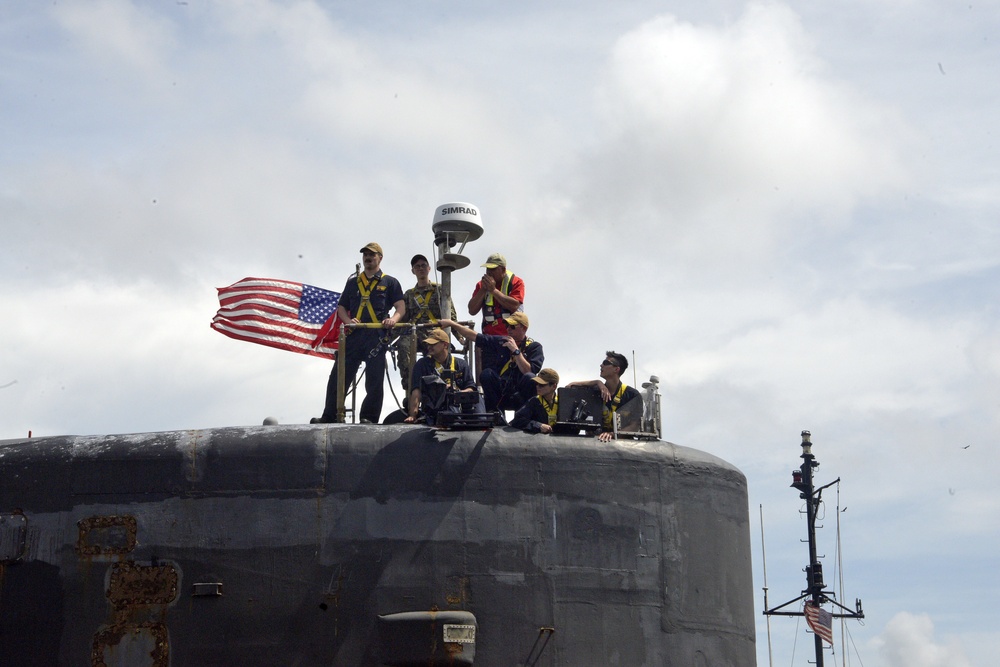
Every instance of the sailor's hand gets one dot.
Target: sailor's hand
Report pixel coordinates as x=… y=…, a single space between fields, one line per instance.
x=607 y=436
x=510 y=344
x=388 y=323
x=410 y=420
x=605 y=392
x=545 y=428
x=489 y=284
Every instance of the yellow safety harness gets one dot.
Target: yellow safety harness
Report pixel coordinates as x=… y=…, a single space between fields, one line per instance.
x=616 y=400
x=489 y=316
x=527 y=342
x=551 y=410
x=425 y=306
x=366 y=286
x=439 y=367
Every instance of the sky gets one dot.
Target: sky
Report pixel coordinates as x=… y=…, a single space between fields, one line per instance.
x=788 y=212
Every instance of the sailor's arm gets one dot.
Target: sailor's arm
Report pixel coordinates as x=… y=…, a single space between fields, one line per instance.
x=585 y=383
x=524 y=419
x=345 y=315
x=600 y=386
x=413 y=406
x=520 y=360
x=400 y=311
x=476 y=302
x=469 y=334
x=486 y=286
x=508 y=303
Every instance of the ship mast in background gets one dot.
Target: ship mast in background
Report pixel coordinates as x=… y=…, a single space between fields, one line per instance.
x=815 y=593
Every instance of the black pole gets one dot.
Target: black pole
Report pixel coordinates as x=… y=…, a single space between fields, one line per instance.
x=814 y=593
x=814 y=571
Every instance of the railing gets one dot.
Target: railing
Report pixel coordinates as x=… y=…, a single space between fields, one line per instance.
x=403 y=328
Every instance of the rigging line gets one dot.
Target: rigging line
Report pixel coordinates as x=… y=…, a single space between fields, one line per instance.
x=763 y=554
x=392 y=389
x=840 y=581
x=434 y=265
x=855 y=646
x=795 y=643
x=635 y=378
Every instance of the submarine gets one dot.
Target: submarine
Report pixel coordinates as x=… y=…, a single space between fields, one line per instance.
x=373 y=545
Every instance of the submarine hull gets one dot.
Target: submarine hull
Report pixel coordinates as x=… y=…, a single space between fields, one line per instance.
x=371 y=545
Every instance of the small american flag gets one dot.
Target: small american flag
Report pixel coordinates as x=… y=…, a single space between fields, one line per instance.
x=280 y=313
x=820 y=620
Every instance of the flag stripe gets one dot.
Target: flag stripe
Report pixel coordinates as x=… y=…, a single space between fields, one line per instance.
x=268 y=319
x=261 y=284
x=281 y=314
x=279 y=301
x=820 y=620
x=263 y=334
x=323 y=350
x=275 y=314
x=301 y=334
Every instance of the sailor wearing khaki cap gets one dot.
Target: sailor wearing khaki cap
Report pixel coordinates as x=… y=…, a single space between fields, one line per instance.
x=539 y=414
x=434 y=376
x=510 y=362
x=367 y=298
x=498 y=294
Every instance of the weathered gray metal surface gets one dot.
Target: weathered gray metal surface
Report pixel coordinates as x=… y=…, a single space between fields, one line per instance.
x=284 y=544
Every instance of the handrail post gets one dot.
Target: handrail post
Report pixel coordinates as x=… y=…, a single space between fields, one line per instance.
x=341 y=374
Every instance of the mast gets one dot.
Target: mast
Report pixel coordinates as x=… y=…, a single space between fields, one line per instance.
x=815 y=593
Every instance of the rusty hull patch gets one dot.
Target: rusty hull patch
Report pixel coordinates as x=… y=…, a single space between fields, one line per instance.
x=128 y=643
x=133 y=585
x=143 y=644
x=106 y=535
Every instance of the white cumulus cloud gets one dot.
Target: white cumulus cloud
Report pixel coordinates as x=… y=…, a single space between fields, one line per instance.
x=908 y=641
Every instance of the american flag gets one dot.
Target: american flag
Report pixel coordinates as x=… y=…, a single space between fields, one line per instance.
x=820 y=620
x=280 y=313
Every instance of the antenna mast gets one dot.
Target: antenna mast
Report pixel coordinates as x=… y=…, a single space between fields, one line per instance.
x=454 y=223
x=815 y=593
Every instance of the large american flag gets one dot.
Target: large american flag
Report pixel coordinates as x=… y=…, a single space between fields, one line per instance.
x=820 y=620
x=280 y=313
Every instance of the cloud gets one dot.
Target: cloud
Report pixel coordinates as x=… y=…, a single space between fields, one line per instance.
x=371 y=101
x=908 y=641
x=124 y=36
x=731 y=137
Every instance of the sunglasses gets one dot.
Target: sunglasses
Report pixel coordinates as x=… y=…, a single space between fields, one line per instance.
x=609 y=363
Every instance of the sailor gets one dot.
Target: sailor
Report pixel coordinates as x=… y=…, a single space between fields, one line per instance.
x=434 y=376
x=498 y=294
x=367 y=298
x=539 y=414
x=423 y=306
x=614 y=392
x=514 y=360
